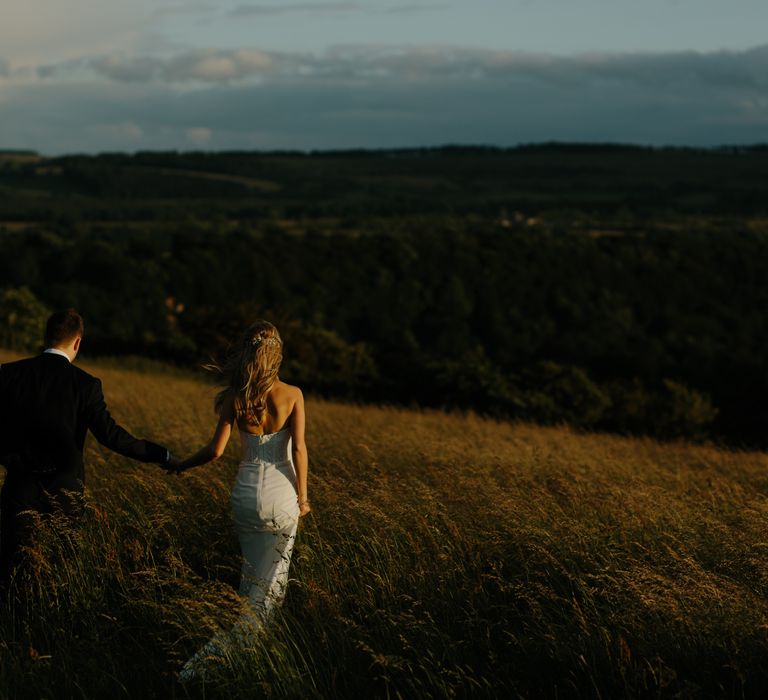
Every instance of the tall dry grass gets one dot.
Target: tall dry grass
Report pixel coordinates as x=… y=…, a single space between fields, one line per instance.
x=446 y=556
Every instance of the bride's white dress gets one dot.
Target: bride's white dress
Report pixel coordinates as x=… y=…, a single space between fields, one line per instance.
x=265 y=512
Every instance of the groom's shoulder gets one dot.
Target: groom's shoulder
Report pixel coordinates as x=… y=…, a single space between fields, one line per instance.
x=26 y=369
x=38 y=364
x=9 y=368
x=18 y=373
x=85 y=378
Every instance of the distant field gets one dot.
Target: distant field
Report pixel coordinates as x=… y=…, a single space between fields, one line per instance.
x=631 y=185
x=446 y=556
x=264 y=185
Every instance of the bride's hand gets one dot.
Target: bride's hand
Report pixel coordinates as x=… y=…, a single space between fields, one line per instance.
x=304 y=508
x=174 y=466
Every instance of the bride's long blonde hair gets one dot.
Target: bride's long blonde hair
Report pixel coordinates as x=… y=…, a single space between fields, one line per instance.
x=250 y=370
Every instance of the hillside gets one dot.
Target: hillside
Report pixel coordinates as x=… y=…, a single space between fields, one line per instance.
x=446 y=555
x=613 y=288
x=564 y=181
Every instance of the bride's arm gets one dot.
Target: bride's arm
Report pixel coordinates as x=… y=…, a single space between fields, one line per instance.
x=215 y=448
x=300 y=455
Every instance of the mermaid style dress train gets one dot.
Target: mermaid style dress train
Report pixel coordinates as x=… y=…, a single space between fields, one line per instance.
x=265 y=512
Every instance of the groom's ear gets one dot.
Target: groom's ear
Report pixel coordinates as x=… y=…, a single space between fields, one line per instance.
x=76 y=346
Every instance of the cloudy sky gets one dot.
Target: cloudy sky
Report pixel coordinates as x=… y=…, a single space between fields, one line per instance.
x=95 y=75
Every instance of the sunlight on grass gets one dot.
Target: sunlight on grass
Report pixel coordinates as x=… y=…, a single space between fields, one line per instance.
x=446 y=555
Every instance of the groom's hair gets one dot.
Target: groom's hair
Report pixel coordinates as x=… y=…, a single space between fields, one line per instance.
x=62 y=327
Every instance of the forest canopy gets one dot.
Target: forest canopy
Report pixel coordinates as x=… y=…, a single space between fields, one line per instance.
x=606 y=287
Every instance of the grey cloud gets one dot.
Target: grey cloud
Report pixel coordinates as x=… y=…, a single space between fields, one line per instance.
x=193 y=9
x=48 y=71
x=379 y=64
x=333 y=116
x=244 y=11
x=725 y=70
x=407 y=9
x=198 y=65
x=5 y=68
x=383 y=96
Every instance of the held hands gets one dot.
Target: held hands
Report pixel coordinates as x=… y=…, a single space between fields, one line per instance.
x=174 y=465
x=304 y=508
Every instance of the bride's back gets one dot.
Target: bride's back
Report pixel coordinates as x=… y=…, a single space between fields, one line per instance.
x=281 y=400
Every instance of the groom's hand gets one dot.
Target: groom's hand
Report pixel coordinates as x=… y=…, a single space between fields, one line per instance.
x=172 y=466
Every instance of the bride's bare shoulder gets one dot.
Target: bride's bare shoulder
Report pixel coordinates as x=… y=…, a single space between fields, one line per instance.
x=287 y=388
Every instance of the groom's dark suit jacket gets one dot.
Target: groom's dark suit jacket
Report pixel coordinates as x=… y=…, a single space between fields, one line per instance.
x=47 y=405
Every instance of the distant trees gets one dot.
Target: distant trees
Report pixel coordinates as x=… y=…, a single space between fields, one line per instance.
x=607 y=287
x=22 y=320
x=321 y=359
x=538 y=326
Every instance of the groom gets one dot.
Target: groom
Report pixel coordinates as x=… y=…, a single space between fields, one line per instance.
x=47 y=405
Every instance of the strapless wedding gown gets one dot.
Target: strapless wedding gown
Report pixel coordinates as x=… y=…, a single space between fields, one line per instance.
x=265 y=512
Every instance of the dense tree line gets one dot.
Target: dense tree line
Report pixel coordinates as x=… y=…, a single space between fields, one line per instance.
x=662 y=333
x=628 y=182
x=611 y=287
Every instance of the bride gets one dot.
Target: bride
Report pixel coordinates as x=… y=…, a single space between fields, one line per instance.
x=270 y=490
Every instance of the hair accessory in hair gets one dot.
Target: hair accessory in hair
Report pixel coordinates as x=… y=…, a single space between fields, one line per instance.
x=259 y=339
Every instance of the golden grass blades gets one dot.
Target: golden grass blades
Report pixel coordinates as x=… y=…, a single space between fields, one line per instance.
x=446 y=556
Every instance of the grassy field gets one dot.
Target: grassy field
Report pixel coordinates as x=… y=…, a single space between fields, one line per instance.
x=446 y=556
